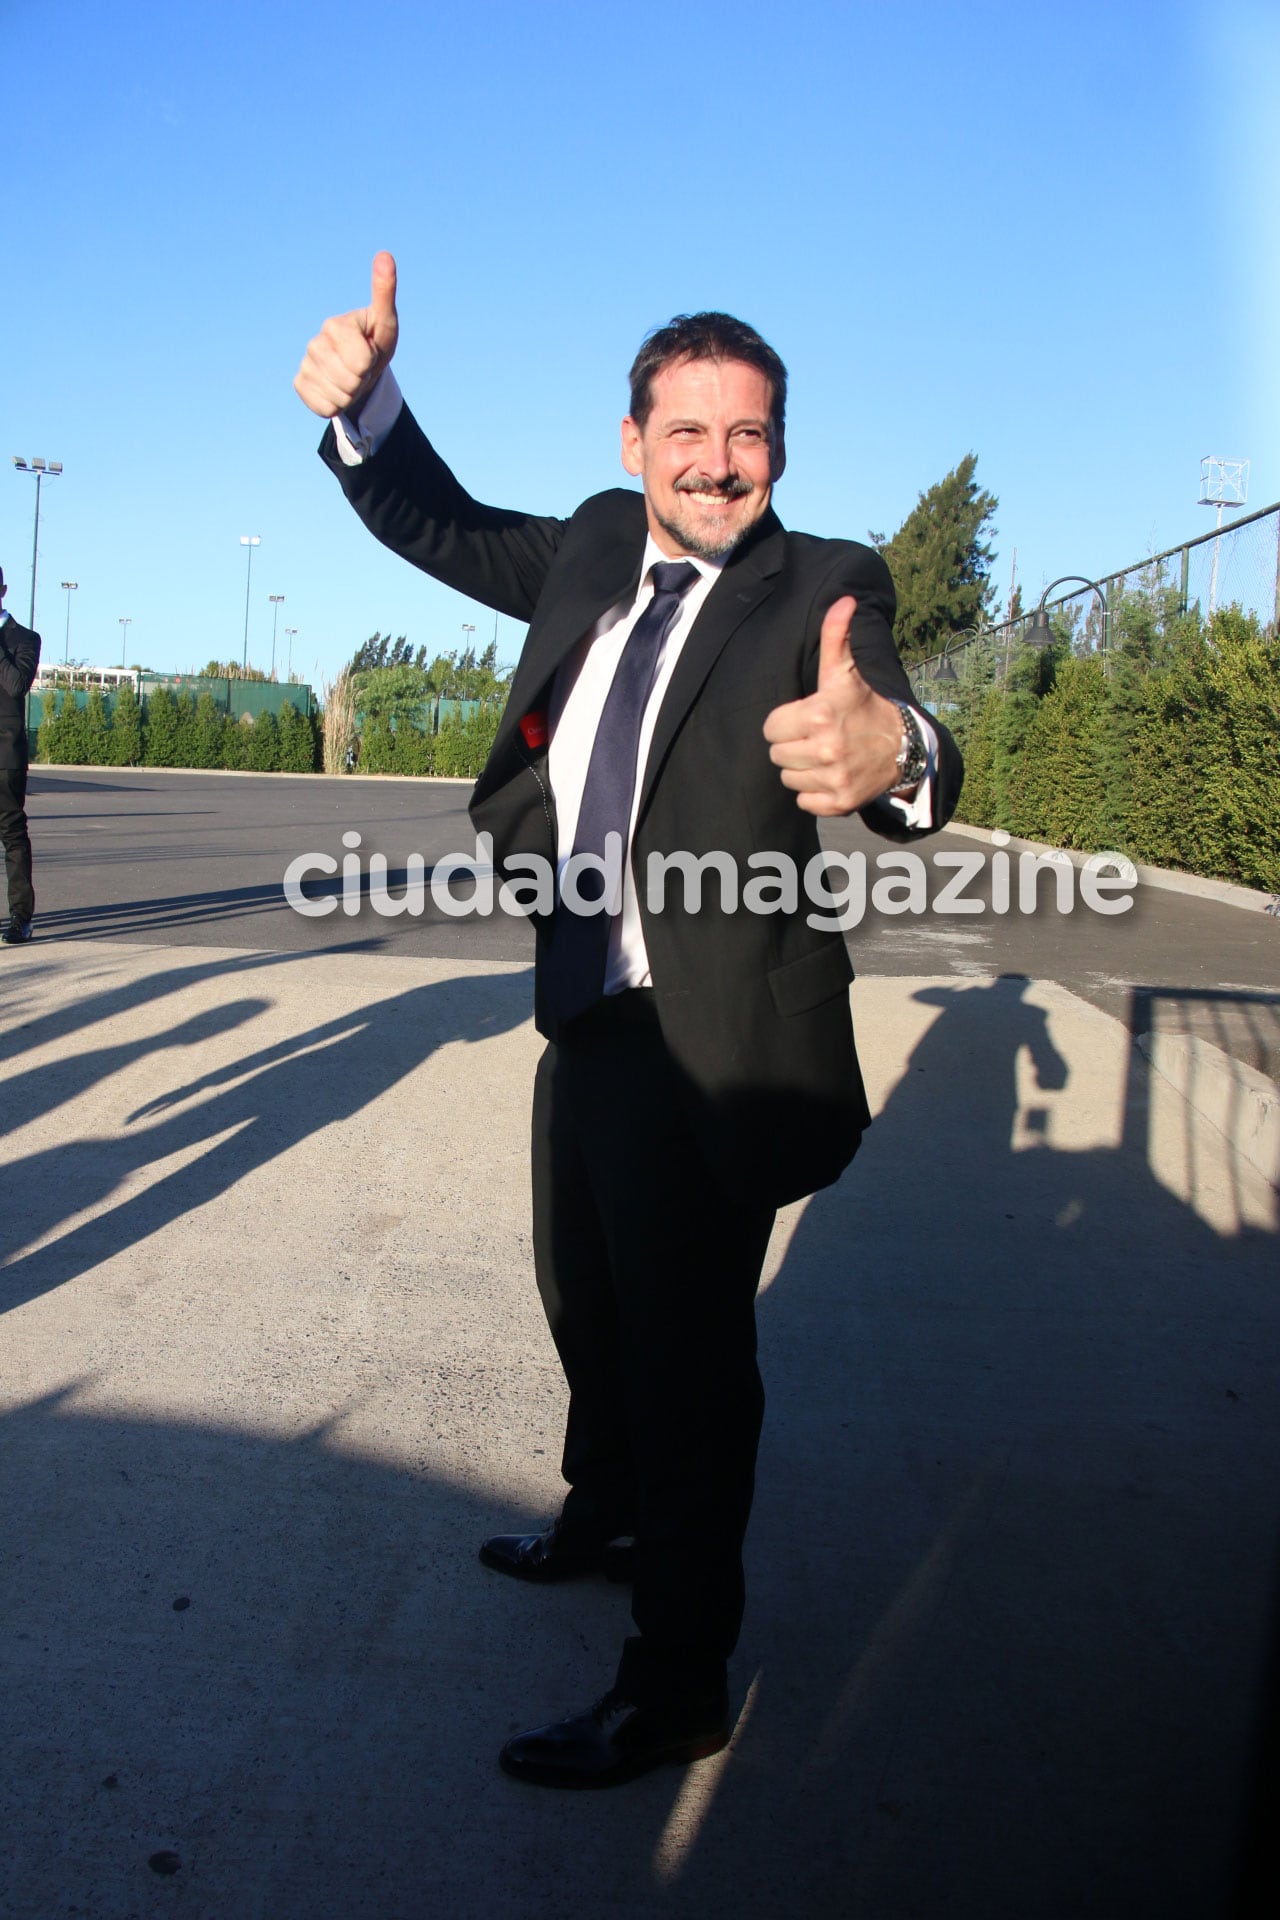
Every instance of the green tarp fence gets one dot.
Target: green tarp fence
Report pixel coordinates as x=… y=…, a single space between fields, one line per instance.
x=235 y=697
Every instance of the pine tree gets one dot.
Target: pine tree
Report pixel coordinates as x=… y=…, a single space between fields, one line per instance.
x=209 y=726
x=941 y=562
x=186 y=743
x=97 y=735
x=125 y=740
x=264 y=744
x=160 y=738
x=297 y=741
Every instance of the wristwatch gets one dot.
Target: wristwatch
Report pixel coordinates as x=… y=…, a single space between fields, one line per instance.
x=913 y=754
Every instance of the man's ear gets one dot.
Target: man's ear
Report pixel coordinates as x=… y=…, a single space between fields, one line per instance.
x=631 y=447
x=778 y=462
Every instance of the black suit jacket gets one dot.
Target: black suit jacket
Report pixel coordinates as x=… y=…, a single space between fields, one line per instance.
x=754 y=1007
x=19 y=660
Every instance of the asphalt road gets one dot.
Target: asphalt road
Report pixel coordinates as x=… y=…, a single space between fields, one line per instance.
x=158 y=857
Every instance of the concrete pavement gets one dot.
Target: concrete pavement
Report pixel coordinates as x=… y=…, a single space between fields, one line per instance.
x=273 y=1364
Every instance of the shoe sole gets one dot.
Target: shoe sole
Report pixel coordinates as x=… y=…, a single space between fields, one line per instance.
x=681 y=1755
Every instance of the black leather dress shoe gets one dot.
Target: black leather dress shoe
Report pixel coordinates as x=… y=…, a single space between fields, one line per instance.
x=556 y=1554
x=615 y=1742
x=17 y=932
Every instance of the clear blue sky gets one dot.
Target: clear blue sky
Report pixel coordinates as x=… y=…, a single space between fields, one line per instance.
x=1046 y=233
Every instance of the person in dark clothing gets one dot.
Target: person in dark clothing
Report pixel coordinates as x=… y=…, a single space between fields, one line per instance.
x=19 y=658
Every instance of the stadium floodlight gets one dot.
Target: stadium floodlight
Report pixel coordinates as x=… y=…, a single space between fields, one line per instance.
x=42 y=470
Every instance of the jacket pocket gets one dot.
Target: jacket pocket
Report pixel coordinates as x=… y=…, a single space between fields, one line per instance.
x=800 y=984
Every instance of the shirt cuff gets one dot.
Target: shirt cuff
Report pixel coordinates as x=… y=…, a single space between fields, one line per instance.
x=359 y=439
x=916 y=809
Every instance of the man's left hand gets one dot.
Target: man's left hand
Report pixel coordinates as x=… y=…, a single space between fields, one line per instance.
x=838 y=749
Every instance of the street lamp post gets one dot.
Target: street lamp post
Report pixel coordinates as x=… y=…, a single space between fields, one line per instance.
x=1040 y=635
x=70 y=587
x=290 y=634
x=42 y=469
x=126 y=621
x=277 y=601
x=249 y=540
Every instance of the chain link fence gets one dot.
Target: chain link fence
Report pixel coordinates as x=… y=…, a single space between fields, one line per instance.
x=1236 y=564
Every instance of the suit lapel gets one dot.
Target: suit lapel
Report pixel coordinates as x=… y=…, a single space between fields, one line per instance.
x=747 y=581
x=607 y=578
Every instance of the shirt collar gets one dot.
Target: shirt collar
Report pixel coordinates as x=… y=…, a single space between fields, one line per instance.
x=709 y=569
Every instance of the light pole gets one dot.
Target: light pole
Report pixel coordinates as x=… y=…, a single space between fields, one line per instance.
x=1223 y=484
x=70 y=586
x=249 y=540
x=277 y=601
x=126 y=621
x=468 y=645
x=290 y=634
x=42 y=469
x=1041 y=633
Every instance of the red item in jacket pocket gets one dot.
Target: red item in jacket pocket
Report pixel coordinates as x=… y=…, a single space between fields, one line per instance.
x=534 y=729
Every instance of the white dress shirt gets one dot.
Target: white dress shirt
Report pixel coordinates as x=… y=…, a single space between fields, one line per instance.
x=581 y=689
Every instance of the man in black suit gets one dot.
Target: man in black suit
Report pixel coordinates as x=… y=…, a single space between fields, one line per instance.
x=19 y=659
x=698 y=683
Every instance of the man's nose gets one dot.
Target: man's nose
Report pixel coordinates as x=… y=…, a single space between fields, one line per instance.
x=715 y=461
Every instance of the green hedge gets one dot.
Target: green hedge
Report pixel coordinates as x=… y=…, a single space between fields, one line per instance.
x=1171 y=754
x=164 y=732
x=459 y=749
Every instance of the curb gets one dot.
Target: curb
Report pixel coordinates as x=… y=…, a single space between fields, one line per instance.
x=1165 y=879
x=1240 y=1102
x=253 y=773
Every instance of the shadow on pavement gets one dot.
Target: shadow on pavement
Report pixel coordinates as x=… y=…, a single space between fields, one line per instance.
x=264 y=1104
x=1010 y=1567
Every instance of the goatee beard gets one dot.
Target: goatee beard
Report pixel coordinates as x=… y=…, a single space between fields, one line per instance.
x=702 y=542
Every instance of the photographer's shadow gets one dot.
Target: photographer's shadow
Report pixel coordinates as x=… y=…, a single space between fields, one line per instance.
x=1006 y=1624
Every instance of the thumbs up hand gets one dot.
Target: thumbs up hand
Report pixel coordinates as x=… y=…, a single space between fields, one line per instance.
x=838 y=749
x=342 y=364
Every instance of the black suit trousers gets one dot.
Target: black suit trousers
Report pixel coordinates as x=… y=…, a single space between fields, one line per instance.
x=17 y=842
x=648 y=1275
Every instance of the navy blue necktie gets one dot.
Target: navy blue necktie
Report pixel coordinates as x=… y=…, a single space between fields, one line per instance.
x=575 y=963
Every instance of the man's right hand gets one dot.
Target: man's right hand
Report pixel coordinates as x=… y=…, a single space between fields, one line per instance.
x=342 y=364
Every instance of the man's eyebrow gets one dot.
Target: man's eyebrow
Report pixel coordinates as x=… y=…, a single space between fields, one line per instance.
x=747 y=420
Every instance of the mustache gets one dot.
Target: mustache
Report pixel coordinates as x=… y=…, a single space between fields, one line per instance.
x=734 y=488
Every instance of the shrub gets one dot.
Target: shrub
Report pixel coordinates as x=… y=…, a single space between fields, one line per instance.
x=1206 y=775
x=96 y=730
x=61 y=734
x=297 y=741
x=414 y=750
x=160 y=729
x=125 y=740
x=462 y=746
x=186 y=746
x=235 y=743
x=263 y=751
x=377 y=747
x=209 y=725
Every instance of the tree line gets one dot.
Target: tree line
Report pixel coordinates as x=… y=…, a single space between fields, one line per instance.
x=162 y=731
x=1165 y=747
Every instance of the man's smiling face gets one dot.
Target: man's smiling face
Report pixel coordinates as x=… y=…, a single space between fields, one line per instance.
x=708 y=455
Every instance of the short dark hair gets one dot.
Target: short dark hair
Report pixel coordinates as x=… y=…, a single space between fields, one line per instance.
x=705 y=336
